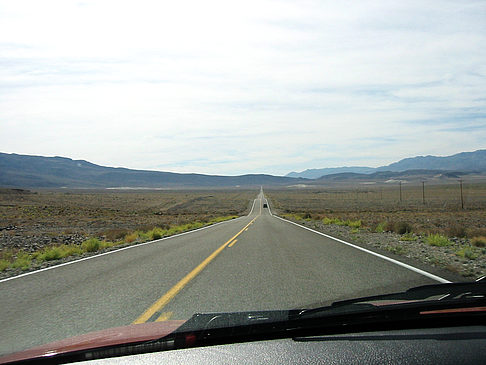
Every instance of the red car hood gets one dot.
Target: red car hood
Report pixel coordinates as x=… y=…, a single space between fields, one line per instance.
x=107 y=337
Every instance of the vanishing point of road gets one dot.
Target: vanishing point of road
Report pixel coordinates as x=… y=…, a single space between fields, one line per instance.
x=255 y=262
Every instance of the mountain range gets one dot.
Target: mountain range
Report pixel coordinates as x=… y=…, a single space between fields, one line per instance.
x=464 y=162
x=27 y=171
x=55 y=172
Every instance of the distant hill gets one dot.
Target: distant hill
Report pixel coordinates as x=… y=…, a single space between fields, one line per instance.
x=54 y=172
x=317 y=173
x=464 y=161
x=393 y=176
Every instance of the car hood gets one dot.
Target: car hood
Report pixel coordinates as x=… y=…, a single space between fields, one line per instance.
x=107 y=337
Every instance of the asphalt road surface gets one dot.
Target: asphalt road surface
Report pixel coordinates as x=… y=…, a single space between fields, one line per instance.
x=251 y=263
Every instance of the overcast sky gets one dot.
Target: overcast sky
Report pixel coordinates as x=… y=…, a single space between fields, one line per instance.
x=226 y=87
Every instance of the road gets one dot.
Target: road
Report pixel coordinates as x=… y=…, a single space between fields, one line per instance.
x=251 y=263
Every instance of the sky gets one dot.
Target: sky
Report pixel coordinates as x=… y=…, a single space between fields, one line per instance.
x=237 y=87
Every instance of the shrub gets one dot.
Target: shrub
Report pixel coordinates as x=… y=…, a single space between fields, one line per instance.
x=156 y=233
x=468 y=253
x=476 y=232
x=402 y=228
x=143 y=236
x=48 y=254
x=129 y=238
x=221 y=219
x=397 y=250
x=437 y=240
x=22 y=261
x=4 y=264
x=197 y=225
x=91 y=245
x=408 y=237
x=479 y=241
x=336 y=221
x=380 y=227
x=114 y=234
x=107 y=244
x=398 y=227
x=456 y=230
x=354 y=224
x=71 y=250
x=389 y=226
x=57 y=252
x=7 y=254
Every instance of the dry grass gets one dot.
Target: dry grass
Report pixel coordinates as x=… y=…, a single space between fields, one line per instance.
x=39 y=222
x=479 y=241
x=111 y=215
x=22 y=259
x=379 y=207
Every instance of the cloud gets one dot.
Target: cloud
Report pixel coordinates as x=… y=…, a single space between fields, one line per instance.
x=226 y=88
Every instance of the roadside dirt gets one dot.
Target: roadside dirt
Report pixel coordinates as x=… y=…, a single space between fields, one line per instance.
x=417 y=251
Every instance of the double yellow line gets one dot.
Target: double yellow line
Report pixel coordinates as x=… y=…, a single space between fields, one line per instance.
x=167 y=297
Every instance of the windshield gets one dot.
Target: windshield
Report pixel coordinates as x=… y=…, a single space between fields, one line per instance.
x=162 y=159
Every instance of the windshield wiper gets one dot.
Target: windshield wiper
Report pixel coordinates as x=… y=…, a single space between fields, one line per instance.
x=456 y=304
x=426 y=294
x=427 y=306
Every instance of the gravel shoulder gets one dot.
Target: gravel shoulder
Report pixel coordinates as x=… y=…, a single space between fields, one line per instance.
x=442 y=261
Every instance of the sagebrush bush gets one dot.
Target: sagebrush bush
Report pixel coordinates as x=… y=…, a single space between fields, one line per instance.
x=468 y=253
x=403 y=227
x=456 y=230
x=398 y=227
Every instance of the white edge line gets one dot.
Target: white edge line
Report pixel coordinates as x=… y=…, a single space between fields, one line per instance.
x=253 y=206
x=409 y=267
x=268 y=206
x=118 y=250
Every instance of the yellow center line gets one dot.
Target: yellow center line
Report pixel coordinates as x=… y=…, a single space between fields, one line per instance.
x=164 y=316
x=232 y=243
x=167 y=297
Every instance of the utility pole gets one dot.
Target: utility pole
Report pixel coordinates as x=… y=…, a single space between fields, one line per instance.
x=400 y=191
x=423 y=192
x=462 y=197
